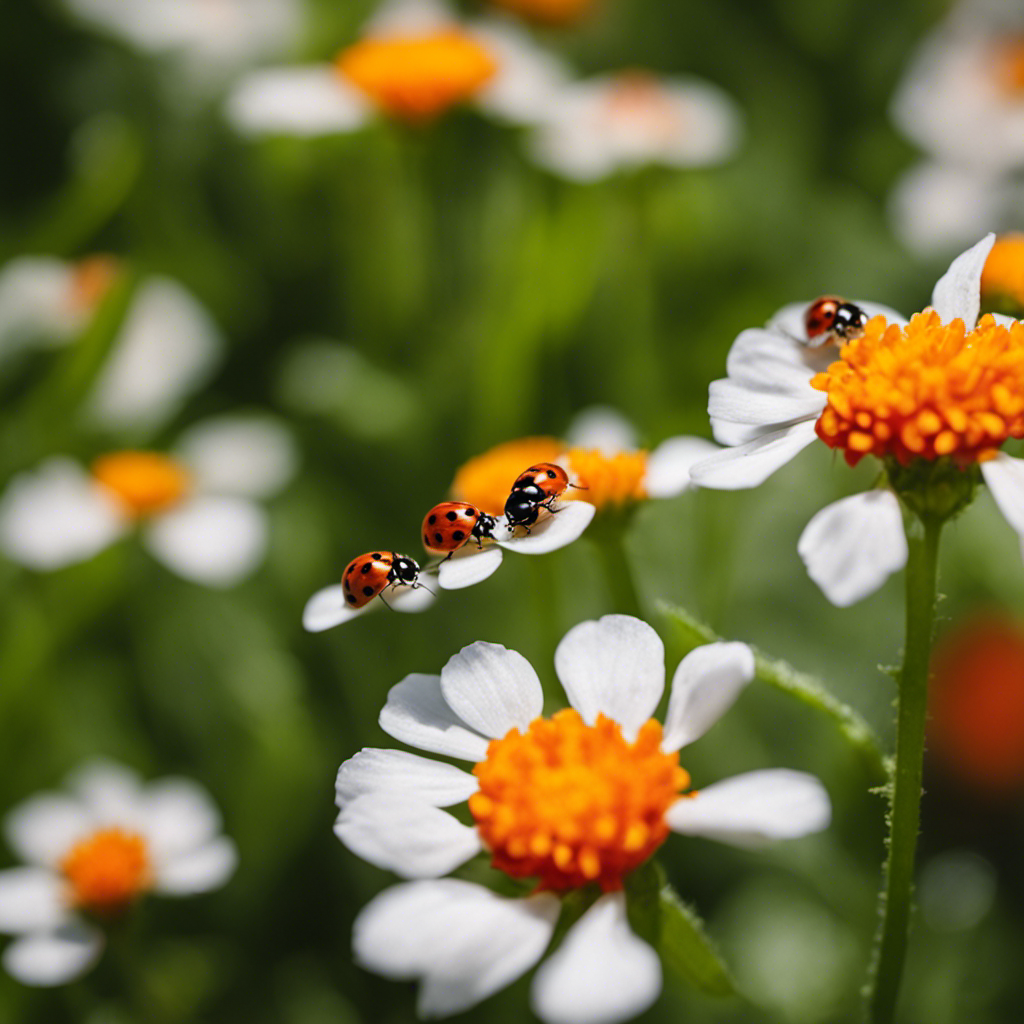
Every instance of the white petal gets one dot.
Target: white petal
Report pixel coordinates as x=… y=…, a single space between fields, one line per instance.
x=405 y=835
x=706 y=684
x=42 y=829
x=31 y=900
x=751 y=464
x=602 y=973
x=755 y=808
x=464 y=941
x=602 y=428
x=250 y=456
x=553 y=531
x=468 y=566
x=57 y=516
x=167 y=349
x=1005 y=478
x=327 y=609
x=711 y=125
x=37 y=302
x=110 y=792
x=199 y=870
x=302 y=101
x=853 y=546
x=47 y=959
x=732 y=402
x=614 y=666
x=213 y=540
x=397 y=771
x=958 y=293
x=179 y=816
x=410 y=600
x=417 y=713
x=492 y=689
x=668 y=466
x=410 y=17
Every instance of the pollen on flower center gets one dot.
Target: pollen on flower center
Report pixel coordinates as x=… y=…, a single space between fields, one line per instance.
x=486 y=480
x=1009 y=66
x=107 y=871
x=1002 y=280
x=569 y=803
x=925 y=391
x=142 y=482
x=418 y=77
x=608 y=479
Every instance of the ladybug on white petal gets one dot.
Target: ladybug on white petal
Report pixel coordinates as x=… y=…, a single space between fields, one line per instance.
x=368 y=576
x=830 y=319
x=452 y=524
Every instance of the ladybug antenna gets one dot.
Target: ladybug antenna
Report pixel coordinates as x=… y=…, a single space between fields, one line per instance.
x=578 y=487
x=417 y=586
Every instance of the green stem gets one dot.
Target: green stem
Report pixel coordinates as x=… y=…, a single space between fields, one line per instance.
x=610 y=543
x=904 y=819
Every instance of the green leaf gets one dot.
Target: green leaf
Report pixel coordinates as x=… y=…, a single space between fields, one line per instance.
x=691 y=632
x=675 y=930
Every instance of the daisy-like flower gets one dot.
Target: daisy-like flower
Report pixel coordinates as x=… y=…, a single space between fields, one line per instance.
x=414 y=61
x=197 y=509
x=575 y=801
x=934 y=399
x=208 y=37
x=90 y=854
x=615 y=123
x=962 y=98
x=167 y=347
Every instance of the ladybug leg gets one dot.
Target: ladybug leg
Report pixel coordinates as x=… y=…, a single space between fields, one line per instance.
x=386 y=605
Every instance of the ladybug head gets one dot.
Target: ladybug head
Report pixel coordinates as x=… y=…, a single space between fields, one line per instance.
x=521 y=508
x=849 y=320
x=404 y=570
x=484 y=526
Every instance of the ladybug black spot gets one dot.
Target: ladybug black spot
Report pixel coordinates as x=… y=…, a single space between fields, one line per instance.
x=376 y=554
x=458 y=535
x=366 y=568
x=426 y=538
x=451 y=516
x=471 y=512
x=348 y=586
x=350 y=569
x=368 y=591
x=432 y=520
x=350 y=598
x=552 y=474
x=438 y=538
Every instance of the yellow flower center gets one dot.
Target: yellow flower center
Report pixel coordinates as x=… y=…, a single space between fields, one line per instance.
x=608 y=479
x=418 y=77
x=1002 y=281
x=91 y=279
x=486 y=480
x=570 y=803
x=107 y=871
x=925 y=391
x=1009 y=66
x=548 y=12
x=142 y=482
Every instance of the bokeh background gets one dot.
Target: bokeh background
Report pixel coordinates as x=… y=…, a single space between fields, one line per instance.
x=404 y=299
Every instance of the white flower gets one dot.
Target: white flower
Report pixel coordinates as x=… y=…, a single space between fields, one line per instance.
x=208 y=36
x=320 y=100
x=462 y=941
x=609 y=124
x=767 y=411
x=962 y=98
x=94 y=851
x=197 y=509
x=166 y=349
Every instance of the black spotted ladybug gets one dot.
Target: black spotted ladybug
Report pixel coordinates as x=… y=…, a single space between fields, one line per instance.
x=450 y=525
x=534 y=489
x=830 y=318
x=368 y=576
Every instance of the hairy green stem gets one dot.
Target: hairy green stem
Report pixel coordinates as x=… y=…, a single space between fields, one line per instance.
x=905 y=814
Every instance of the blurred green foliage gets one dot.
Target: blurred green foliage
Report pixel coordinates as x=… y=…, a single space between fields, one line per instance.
x=405 y=300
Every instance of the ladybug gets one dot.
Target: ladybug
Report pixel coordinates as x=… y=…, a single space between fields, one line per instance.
x=368 y=576
x=545 y=481
x=450 y=525
x=830 y=318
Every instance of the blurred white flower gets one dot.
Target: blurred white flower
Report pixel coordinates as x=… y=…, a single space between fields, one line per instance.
x=962 y=98
x=614 y=123
x=414 y=60
x=209 y=37
x=197 y=509
x=91 y=853
x=577 y=800
x=166 y=349
x=902 y=392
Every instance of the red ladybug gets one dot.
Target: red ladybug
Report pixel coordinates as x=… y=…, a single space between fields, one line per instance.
x=368 y=576
x=830 y=318
x=546 y=478
x=450 y=525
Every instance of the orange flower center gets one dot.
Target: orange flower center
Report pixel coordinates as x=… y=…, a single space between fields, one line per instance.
x=486 y=480
x=548 y=12
x=570 y=803
x=1009 y=65
x=638 y=102
x=418 y=77
x=91 y=279
x=142 y=482
x=925 y=391
x=1002 y=280
x=107 y=871
x=608 y=479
